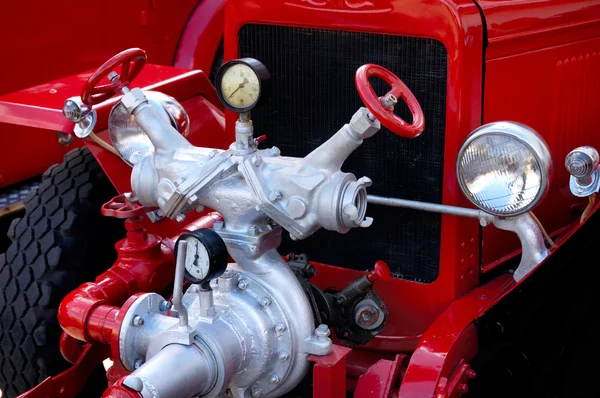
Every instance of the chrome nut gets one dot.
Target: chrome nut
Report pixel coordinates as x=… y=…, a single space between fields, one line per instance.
x=133 y=99
x=362 y=126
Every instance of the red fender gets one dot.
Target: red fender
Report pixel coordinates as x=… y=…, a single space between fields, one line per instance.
x=202 y=36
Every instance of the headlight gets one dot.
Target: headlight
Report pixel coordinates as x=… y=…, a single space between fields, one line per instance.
x=127 y=136
x=504 y=168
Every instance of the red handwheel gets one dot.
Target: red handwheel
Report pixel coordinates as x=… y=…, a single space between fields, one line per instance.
x=385 y=112
x=132 y=62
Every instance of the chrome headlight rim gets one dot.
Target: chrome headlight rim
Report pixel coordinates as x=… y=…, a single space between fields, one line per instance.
x=172 y=111
x=526 y=136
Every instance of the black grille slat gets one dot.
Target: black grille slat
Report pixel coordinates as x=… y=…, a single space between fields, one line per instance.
x=312 y=94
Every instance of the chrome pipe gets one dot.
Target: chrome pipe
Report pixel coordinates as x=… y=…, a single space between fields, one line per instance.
x=178 y=284
x=430 y=207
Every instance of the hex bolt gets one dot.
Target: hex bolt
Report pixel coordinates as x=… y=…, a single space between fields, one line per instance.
x=137 y=320
x=322 y=332
x=257 y=160
x=253 y=230
x=138 y=363
x=134 y=383
x=112 y=76
x=242 y=284
x=165 y=305
x=265 y=302
x=256 y=392
x=218 y=224
x=274 y=379
x=274 y=196
x=274 y=151
x=280 y=328
x=180 y=217
x=200 y=209
x=283 y=356
x=471 y=373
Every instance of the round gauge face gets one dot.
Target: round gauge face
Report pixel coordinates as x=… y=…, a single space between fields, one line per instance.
x=197 y=259
x=205 y=255
x=240 y=86
x=239 y=83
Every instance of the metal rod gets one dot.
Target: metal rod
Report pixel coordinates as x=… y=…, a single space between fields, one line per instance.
x=431 y=207
x=178 y=285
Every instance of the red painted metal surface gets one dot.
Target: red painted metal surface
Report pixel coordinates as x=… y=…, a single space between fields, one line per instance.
x=131 y=61
x=118 y=390
x=384 y=114
x=457 y=24
x=451 y=340
x=457 y=384
x=329 y=373
x=518 y=26
x=144 y=264
x=190 y=30
x=557 y=91
x=380 y=379
x=202 y=35
x=70 y=348
x=120 y=207
x=41 y=107
x=60 y=38
x=71 y=382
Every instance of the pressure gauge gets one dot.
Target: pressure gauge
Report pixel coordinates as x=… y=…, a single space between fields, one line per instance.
x=240 y=83
x=205 y=257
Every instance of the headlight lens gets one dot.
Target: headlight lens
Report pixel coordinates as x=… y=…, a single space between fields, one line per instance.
x=504 y=168
x=127 y=136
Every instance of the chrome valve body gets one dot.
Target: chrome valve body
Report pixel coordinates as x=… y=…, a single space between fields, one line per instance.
x=252 y=331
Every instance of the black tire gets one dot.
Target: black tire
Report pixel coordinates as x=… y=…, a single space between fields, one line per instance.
x=61 y=242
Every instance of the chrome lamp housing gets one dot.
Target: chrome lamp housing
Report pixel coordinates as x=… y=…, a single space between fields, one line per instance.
x=504 y=169
x=130 y=140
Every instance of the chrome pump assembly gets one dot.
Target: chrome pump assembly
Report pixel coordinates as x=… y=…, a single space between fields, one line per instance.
x=245 y=327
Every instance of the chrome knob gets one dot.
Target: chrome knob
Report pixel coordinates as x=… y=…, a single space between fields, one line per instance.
x=581 y=163
x=74 y=110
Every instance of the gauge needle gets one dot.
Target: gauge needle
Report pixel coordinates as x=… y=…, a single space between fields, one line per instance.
x=242 y=84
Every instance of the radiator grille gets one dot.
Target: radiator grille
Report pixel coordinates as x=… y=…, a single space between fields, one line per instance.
x=312 y=94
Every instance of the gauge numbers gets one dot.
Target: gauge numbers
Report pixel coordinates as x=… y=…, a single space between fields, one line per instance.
x=239 y=83
x=197 y=260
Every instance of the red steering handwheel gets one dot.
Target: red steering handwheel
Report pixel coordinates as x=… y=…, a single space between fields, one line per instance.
x=132 y=62
x=386 y=114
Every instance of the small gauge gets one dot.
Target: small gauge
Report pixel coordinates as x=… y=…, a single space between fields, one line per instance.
x=240 y=83
x=205 y=257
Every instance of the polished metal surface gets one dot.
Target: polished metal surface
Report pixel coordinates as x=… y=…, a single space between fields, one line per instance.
x=84 y=116
x=431 y=207
x=256 y=322
x=532 y=242
x=178 y=284
x=504 y=168
x=129 y=138
x=582 y=164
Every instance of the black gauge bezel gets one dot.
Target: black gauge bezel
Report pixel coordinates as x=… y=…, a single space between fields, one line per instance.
x=216 y=249
x=257 y=67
